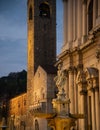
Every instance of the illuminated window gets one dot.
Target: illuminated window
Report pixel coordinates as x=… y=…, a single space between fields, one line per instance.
x=44 y=10
x=30 y=13
x=90 y=15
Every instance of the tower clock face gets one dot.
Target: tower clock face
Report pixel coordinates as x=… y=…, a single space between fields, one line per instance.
x=44 y=10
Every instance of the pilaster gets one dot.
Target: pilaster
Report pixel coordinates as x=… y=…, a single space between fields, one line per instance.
x=82 y=93
x=84 y=24
x=83 y=110
x=94 y=13
x=97 y=108
x=99 y=8
x=71 y=90
x=70 y=22
x=65 y=3
x=75 y=91
x=93 y=109
x=79 y=23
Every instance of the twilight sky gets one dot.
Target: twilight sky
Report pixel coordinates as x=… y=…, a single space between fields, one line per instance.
x=13 y=35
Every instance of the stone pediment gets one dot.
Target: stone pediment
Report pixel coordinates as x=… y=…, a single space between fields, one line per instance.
x=91 y=73
x=40 y=70
x=40 y=85
x=92 y=78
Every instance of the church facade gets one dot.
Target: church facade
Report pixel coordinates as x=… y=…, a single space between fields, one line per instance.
x=80 y=60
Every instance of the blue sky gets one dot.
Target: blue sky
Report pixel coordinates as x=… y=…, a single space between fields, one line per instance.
x=13 y=35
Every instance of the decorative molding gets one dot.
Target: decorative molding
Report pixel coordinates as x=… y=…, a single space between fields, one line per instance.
x=92 y=78
x=91 y=73
x=80 y=79
x=80 y=66
x=83 y=92
x=71 y=69
x=98 y=54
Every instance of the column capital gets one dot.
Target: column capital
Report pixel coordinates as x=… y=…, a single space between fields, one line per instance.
x=75 y=69
x=98 y=54
x=71 y=69
x=83 y=92
x=96 y=89
x=65 y=72
x=91 y=89
x=80 y=66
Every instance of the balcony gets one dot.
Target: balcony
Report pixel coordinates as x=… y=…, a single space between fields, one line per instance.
x=37 y=108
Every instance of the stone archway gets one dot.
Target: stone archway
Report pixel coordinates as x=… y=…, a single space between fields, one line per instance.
x=92 y=78
x=36 y=125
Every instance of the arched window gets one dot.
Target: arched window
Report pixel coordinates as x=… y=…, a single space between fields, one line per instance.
x=30 y=13
x=44 y=10
x=36 y=125
x=90 y=15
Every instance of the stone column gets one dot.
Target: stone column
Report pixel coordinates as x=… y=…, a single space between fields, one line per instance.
x=66 y=87
x=98 y=7
x=83 y=105
x=75 y=91
x=84 y=27
x=97 y=108
x=79 y=21
x=99 y=82
x=71 y=90
x=76 y=95
x=79 y=106
x=82 y=109
x=74 y=19
x=94 y=13
x=93 y=110
x=70 y=22
x=65 y=17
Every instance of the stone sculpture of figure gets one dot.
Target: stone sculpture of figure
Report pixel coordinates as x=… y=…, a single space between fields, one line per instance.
x=60 y=79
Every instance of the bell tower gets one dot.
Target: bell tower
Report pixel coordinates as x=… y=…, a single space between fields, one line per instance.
x=41 y=44
x=41 y=37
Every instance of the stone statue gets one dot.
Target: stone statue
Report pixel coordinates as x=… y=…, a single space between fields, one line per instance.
x=60 y=79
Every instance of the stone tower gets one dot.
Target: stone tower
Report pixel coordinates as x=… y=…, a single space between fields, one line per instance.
x=41 y=22
x=41 y=38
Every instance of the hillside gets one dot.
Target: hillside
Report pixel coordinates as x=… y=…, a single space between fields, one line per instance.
x=13 y=84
